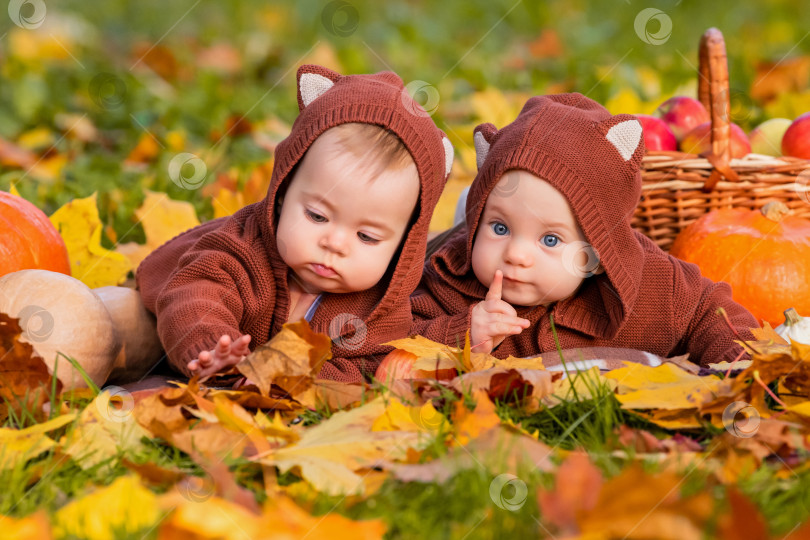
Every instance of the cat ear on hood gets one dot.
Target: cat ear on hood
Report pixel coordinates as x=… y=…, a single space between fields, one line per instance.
x=313 y=81
x=483 y=136
x=449 y=154
x=624 y=132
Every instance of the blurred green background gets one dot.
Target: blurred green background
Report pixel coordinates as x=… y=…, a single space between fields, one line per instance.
x=105 y=94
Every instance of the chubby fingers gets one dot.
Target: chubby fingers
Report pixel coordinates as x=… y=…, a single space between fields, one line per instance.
x=240 y=346
x=504 y=325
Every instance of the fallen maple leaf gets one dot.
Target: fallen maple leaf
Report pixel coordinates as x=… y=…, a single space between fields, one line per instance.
x=329 y=454
x=508 y=384
x=102 y=431
x=665 y=387
x=19 y=445
x=162 y=219
x=577 y=483
x=25 y=383
x=636 y=504
x=281 y=517
x=125 y=506
x=290 y=360
x=743 y=520
x=401 y=417
x=469 y=425
x=80 y=227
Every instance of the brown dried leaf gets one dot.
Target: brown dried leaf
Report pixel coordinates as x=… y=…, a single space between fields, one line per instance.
x=25 y=382
x=291 y=360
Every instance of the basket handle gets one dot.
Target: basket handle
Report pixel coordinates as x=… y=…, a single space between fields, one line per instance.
x=713 y=92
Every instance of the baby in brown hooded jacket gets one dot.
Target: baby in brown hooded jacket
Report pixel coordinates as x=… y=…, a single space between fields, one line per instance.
x=548 y=235
x=339 y=240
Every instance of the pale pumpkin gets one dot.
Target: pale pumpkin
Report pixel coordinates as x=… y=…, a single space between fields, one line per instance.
x=59 y=313
x=137 y=329
x=763 y=254
x=28 y=239
x=795 y=328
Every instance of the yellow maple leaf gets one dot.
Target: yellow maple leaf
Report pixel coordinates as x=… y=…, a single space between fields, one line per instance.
x=281 y=517
x=401 y=417
x=162 y=219
x=103 y=430
x=665 y=387
x=329 y=455
x=80 y=227
x=19 y=445
x=121 y=509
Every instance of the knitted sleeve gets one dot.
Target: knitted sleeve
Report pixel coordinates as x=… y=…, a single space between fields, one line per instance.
x=201 y=301
x=432 y=321
x=705 y=335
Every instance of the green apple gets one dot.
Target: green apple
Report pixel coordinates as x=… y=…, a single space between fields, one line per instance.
x=766 y=138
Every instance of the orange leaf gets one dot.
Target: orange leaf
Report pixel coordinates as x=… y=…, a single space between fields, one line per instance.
x=25 y=382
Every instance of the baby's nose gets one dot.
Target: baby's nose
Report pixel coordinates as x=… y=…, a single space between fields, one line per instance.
x=518 y=254
x=335 y=241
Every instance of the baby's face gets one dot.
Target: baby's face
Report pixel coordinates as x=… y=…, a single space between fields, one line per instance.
x=529 y=232
x=339 y=227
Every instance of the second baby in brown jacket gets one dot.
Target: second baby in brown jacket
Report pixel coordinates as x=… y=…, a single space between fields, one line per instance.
x=548 y=234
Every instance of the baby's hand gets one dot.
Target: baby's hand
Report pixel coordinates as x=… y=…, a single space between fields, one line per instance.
x=222 y=357
x=492 y=319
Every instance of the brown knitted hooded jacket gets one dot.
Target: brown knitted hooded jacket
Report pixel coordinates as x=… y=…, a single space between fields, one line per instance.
x=227 y=277
x=645 y=299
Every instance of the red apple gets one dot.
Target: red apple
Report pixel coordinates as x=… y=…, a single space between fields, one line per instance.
x=766 y=138
x=682 y=114
x=699 y=140
x=657 y=135
x=796 y=141
x=397 y=364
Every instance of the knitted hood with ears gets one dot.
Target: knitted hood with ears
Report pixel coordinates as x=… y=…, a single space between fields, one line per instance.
x=228 y=277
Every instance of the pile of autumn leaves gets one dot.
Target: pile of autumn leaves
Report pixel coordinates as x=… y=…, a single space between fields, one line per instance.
x=391 y=431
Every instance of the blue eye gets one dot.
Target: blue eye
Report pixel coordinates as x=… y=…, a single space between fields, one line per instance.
x=550 y=240
x=499 y=228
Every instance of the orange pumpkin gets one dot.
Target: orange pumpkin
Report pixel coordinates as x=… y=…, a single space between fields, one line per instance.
x=28 y=239
x=763 y=254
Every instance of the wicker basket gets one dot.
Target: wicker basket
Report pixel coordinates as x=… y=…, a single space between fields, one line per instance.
x=678 y=188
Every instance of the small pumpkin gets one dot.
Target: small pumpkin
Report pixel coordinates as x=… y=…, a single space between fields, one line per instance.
x=28 y=239
x=795 y=328
x=59 y=313
x=137 y=329
x=763 y=254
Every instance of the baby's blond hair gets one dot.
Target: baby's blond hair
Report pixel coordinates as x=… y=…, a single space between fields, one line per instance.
x=373 y=146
